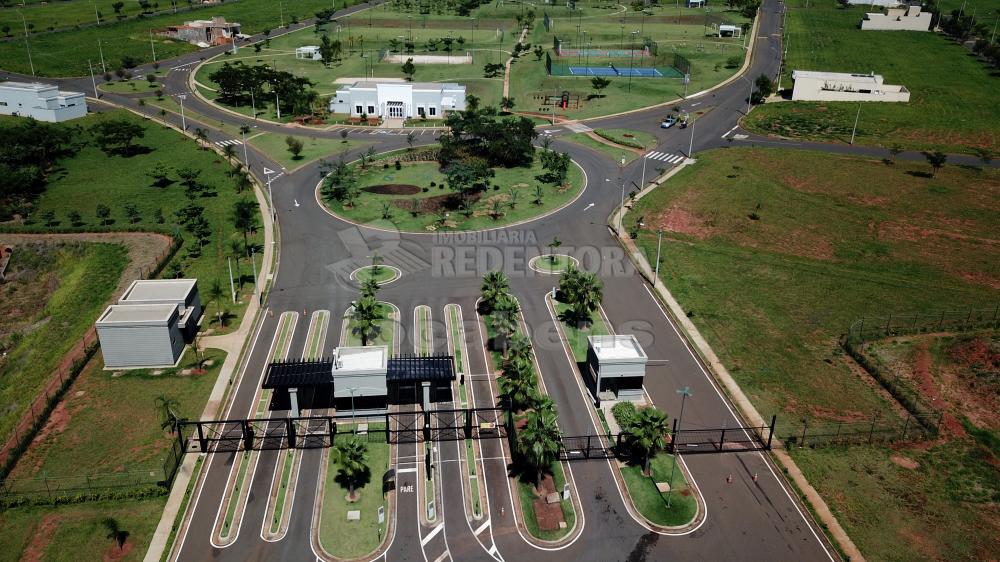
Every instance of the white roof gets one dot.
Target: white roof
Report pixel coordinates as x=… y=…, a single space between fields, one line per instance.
x=26 y=85
x=435 y=86
x=837 y=76
x=158 y=290
x=308 y=48
x=363 y=359
x=616 y=347
x=137 y=314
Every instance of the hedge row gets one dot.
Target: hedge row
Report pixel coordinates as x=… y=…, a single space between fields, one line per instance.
x=139 y=493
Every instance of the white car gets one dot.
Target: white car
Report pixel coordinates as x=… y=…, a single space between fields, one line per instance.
x=668 y=122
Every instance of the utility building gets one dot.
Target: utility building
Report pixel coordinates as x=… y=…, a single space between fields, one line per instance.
x=909 y=18
x=616 y=367
x=839 y=86
x=399 y=100
x=41 y=101
x=308 y=52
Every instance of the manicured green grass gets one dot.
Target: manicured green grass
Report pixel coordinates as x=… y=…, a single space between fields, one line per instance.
x=470 y=459
x=626 y=137
x=380 y=276
x=318 y=323
x=650 y=502
x=246 y=457
x=286 y=475
x=424 y=332
x=576 y=335
x=616 y=154
x=351 y=539
x=84 y=277
x=92 y=177
x=526 y=493
x=275 y=147
x=553 y=263
x=113 y=421
x=135 y=86
x=66 y=53
x=955 y=117
x=773 y=295
x=457 y=336
x=75 y=532
x=369 y=206
x=386 y=335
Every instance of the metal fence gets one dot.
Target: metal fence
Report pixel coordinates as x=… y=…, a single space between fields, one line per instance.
x=874 y=327
x=810 y=433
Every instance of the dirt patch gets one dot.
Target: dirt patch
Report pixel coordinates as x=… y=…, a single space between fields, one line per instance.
x=548 y=515
x=40 y=537
x=905 y=462
x=676 y=219
x=819 y=412
x=393 y=189
x=921 y=543
x=115 y=553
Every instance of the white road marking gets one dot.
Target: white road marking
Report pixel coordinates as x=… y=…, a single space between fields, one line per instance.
x=482 y=527
x=431 y=535
x=727 y=133
x=588 y=206
x=404 y=470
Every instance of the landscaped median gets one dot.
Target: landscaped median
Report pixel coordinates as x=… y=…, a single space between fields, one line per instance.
x=657 y=489
x=544 y=511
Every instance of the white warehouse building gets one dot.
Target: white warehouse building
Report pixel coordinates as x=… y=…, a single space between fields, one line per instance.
x=841 y=86
x=909 y=18
x=41 y=101
x=399 y=100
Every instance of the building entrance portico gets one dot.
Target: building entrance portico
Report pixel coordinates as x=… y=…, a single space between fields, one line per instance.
x=395 y=109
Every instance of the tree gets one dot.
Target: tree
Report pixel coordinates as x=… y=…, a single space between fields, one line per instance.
x=410 y=138
x=295 y=146
x=504 y=320
x=103 y=212
x=74 y=218
x=645 y=434
x=367 y=318
x=599 y=83
x=557 y=166
x=117 y=7
x=492 y=69
x=116 y=136
x=326 y=52
x=352 y=456
x=168 y=406
x=215 y=294
x=245 y=217
x=539 y=51
x=936 y=159
x=189 y=179
x=763 y=87
x=539 y=441
x=894 y=151
x=495 y=285
x=160 y=175
x=517 y=384
x=409 y=69
x=343 y=135
x=506 y=104
x=229 y=151
x=132 y=212
x=582 y=291
x=115 y=532
x=202 y=136
x=369 y=288
x=539 y=192
x=555 y=243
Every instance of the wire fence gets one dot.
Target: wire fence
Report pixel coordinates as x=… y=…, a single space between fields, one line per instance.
x=877 y=430
x=876 y=327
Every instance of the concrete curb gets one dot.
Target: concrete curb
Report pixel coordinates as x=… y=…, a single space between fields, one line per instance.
x=734 y=393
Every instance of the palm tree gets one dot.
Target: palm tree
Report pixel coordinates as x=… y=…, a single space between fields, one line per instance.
x=237 y=250
x=168 y=407
x=368 y=316
x=495 y=285
x=352 y=454
x=645 y=434
x=582 y=291
x=201 y=135
x=517 y=385
x=369 y=287
x=503 y=319
x=245 y=217
x=410 y=138
x=216 y=294
x=539 y=442
x=115 y=531
x=520 y=348
x=555 y=243
x=229 y=151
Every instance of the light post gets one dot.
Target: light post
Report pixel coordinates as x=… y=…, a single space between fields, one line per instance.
x=253 y=105
x=856 y=117
x=684 y=392
x=691 y=143
x=621 y=37
x=184 y=126
x=97 y=14
x=27 y=44
x=749 y=94
x=100 y=50
x=243 y=134
x=277 y=103
x=631 y=58
x=270 y=197
x=644 y=158
x=152 y=47
x=472 y=44
x=92 y=80
x=621 y=209
x=253 y=262
x=659 y=238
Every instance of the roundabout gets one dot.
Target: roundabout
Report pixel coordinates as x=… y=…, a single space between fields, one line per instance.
x=381 y=274
x=553 y=264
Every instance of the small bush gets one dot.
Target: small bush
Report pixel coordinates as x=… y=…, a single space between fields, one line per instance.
x=425 y=190
x=624 y=413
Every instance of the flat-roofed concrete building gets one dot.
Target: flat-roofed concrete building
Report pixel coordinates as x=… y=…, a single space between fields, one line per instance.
x=204 y=33
x=616 y=367
x=399 y=100
x=909 y=18
x=308 y=52
x=840 y=86
x=41 y=101
x=182 y=293
x=140 y=335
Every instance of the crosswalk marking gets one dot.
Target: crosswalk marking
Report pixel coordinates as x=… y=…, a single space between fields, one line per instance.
x=228 y=142
x=431 y=535
x=665 y=157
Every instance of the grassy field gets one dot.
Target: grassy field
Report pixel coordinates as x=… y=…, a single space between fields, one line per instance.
x=91 y=177
x=956 y=116
x=773 y=254
x=89 y=434
x=576 y=336
x=387 y=331
x=52 y=296
x=370 y=206
x=75 y=532
x=583 y=139
x=275 y=147
x=65 y=53
x=650 y=502
x=351 y=539
x=626 y=137
x=552 y=263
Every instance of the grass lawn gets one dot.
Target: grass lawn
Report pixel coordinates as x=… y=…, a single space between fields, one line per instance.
x=616 y=154
x=577 y=336
x=526 y=491
x=275 y=147
x=553 y=263
x=75 y=532
x=380 y=276
x=352 y=539
x=66 y=53
x=370 y=207
x=626 y=137
x=650 y=502
x=956 y=116
x=135 y=86
x=110 y=421
x=773 y=295
x=91 y=177
x=423 y=340
x=63 y=290
x=386 y=334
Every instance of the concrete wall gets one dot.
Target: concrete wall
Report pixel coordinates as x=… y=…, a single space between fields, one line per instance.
x=808 y=89
x=140 y=346
x=363 y=385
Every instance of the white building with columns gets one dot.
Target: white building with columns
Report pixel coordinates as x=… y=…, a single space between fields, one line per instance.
x=399 y=100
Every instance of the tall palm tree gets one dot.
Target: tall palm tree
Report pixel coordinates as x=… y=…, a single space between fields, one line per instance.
x=237 y=251
x=589 y=292
x=519 y=348
x=229 y=152
x=495 y=284
x=517 y=385
x=115 y=531
x=539 y=442
x=645 y=434
x=167 y=405
x=245 y=217
x=503 y=319
x=215 y=294
x=369 y=287
x=352 y=456
x=368 y=316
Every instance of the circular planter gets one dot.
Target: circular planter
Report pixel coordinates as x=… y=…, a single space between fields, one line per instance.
x=543 y=264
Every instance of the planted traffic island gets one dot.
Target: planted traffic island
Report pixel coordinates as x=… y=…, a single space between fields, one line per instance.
x=552 y=263
x=485 y=174
x=381 y=274
x=625 y=137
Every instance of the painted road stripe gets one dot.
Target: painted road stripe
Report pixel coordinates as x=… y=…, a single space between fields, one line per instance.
x=482 y=527
x=431 y=535
x=675 y=159
x=405 y=470
x=493 y=550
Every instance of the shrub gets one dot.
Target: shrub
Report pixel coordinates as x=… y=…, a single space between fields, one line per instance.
x=624 y=413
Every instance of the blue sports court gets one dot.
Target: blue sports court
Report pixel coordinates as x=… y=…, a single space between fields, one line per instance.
x=614 y=71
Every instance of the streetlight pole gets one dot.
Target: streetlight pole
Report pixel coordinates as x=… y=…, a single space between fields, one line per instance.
x=92 y=80
x=749 y=94
x=644 y=158
x=856 y=117
x=184 y=126
x=277 y=104
x=253 y=105
x=684 y=392
x=151 y=46
x=253 y=262
x=691 y=143
x=100 y=49
x=659 y=238
x=621 y=209
x=27 y=44
x=97 y=14
x=243 y=133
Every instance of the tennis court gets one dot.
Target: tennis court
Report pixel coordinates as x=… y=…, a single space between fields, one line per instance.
x=611 y=70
